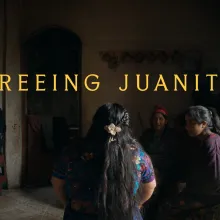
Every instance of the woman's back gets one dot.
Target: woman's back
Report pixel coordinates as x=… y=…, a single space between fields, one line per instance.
x=103 y=180
x=82 y=173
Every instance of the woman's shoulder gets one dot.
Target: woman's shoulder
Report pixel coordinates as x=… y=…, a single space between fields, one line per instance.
x=213 y=139
x=212 y=146
x=144 y=165
x=212 y=143
x=142 y=156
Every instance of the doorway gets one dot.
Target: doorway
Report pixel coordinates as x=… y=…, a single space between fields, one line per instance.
x=51 y=118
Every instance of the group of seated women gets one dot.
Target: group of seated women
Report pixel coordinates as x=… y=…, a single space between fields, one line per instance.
x=166 y=174
x=187 y=163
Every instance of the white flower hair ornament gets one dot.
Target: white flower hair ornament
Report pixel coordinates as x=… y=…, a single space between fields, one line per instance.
x=113 y=130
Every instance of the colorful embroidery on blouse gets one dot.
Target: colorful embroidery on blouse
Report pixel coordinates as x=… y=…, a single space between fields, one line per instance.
x=82 y=184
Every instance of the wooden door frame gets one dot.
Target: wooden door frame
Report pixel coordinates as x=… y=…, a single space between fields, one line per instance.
x=24 y=69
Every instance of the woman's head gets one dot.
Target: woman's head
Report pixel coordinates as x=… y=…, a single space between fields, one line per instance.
x=110 y=135
x=200 y=120
x=107 y=114
x=159 y=118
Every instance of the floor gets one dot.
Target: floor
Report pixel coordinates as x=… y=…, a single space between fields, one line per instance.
x=37 y=204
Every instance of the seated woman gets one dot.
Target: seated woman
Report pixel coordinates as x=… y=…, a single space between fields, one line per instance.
x=160 y=142
x=203 y=163
x=112 y=177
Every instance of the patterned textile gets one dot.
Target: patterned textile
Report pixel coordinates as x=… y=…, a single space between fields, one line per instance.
x=82 y=182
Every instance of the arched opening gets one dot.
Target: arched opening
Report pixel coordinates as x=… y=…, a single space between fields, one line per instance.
x=52 y=118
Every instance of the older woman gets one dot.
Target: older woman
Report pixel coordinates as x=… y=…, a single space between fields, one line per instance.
x=160 y=143
x=202 y=168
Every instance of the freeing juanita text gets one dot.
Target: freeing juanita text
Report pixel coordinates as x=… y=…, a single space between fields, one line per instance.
x=92 y=82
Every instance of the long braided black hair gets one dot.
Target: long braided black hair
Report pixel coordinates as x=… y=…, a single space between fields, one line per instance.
x=116 y=200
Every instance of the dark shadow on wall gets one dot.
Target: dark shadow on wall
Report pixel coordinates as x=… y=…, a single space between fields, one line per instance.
x=49 y=115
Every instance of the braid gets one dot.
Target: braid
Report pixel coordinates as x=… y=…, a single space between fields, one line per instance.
x=116 y=200
x=126 y=119
x=215 y=120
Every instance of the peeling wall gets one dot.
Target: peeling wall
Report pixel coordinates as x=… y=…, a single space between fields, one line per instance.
x=110 y=25
x=120 y=25
x=13 y=99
